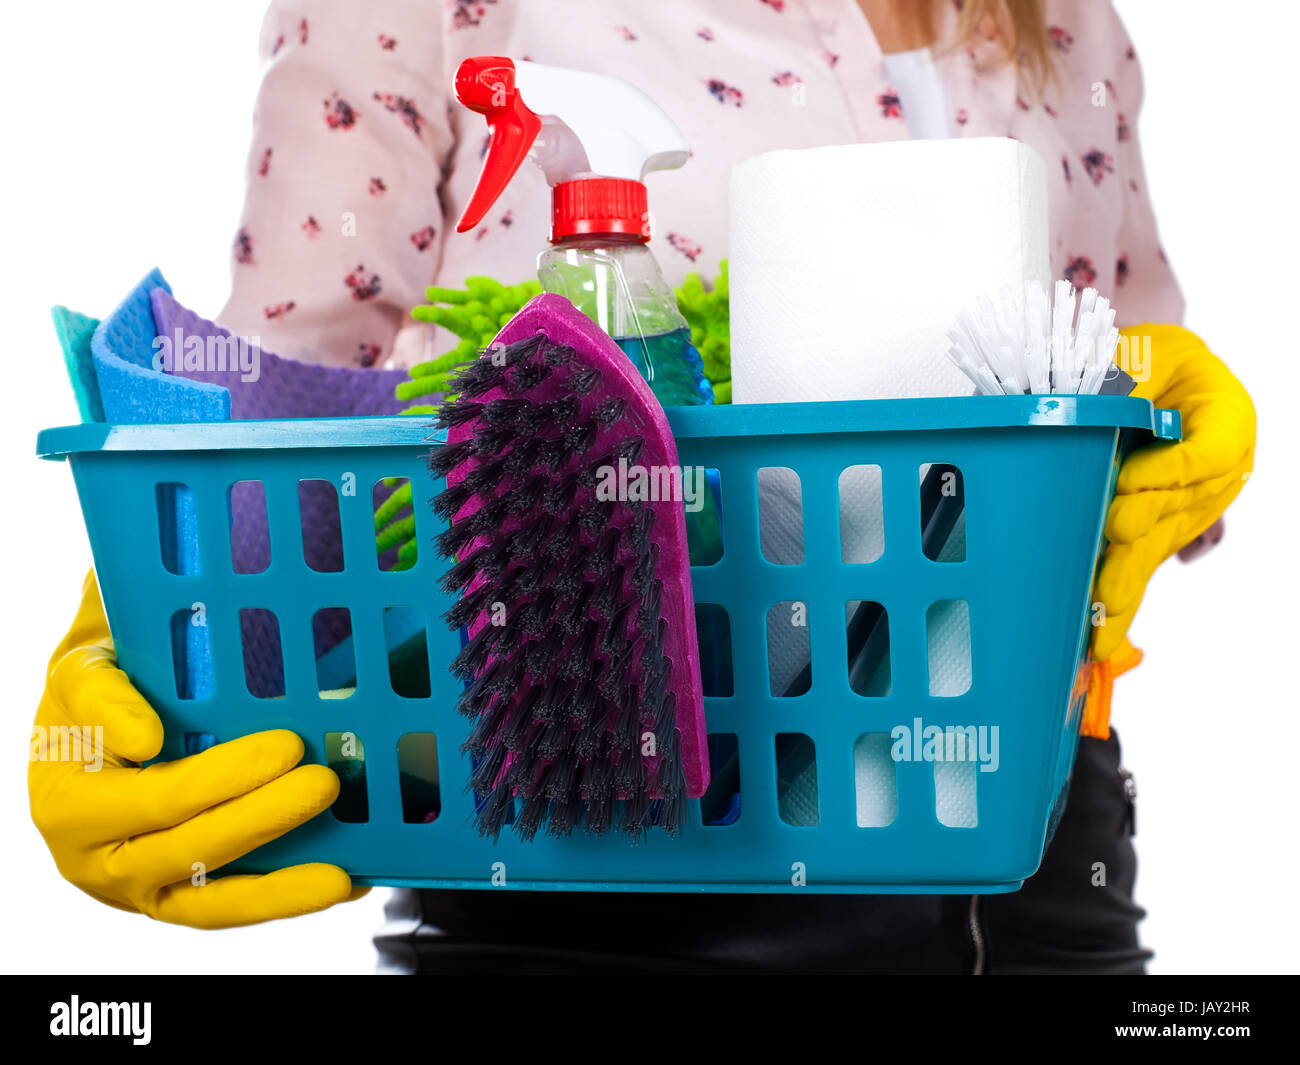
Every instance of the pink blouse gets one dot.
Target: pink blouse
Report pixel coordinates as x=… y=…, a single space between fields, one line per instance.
x=362 y=160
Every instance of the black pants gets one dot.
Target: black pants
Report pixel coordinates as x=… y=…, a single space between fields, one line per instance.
x=1076 y=915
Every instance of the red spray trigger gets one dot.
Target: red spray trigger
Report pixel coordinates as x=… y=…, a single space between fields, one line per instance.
x=486 y=84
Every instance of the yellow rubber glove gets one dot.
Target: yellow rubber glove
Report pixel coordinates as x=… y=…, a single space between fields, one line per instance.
x=1168 y=494
x=146 y=839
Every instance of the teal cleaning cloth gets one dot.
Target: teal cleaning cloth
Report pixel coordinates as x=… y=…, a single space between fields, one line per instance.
x=74 y=332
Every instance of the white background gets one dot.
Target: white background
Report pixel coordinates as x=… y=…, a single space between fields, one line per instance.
x=127 y=133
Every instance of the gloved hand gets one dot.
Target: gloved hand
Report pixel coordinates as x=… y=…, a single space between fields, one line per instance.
x=1168 y=494
x=131 y=837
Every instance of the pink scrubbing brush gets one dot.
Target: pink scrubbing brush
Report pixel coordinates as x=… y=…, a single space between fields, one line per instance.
x=582 y=662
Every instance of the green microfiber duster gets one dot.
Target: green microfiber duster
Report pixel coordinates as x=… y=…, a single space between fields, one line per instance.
x=707 y=312
x=481 y=309
x=478 y=312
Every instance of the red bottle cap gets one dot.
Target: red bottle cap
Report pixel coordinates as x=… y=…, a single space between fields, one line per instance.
x=599 y=207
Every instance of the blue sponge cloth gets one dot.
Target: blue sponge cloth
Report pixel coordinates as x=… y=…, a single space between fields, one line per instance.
x=135 y=393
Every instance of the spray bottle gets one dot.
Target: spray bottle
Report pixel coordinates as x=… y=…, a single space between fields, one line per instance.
x=595 y=137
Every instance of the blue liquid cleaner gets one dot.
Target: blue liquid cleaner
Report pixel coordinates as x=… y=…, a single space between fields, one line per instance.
x=672 y=366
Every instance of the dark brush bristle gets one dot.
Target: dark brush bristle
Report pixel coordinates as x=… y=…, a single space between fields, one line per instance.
x=614 y=639
x=504 y=412
x=583 y=380
x=636 y=810
x=493 y=441
x=531 y=817
x=523 y=457
x=598 y=791
x=630 y=448
x=484 y=478
x=448 y=502
x=665 y=714
x=645 y=567
x=582 y=655
x=499 y=804
x=524 y=498
x=610 y=410
x=563 y=816
x=609 y=592
x=560 y=495
x=587 y=743
x=487 y=768
x=484 y=732
x=650 y=600
x=562 y=688
x=553 y=740
x=478 y=377
x=581 y=437
x=473 y=656
x=593 y=474
x=542 y=652
x=490 y=559
x=521 y=350
x=558 y=778
x=603 y=558
x=469 y=606
x=531 y=580
x=536 y=617
x=488 y=518
x=517 y=725
x=457 y=412
x=529 y=376
x=475 y=698
x=595 y=516
x=560 y=545
x=454 y=540
x=554 y=698
x=532 y=536
x=615 y=678
x=563 y=411
x=638 y=535
x=571 y=618
x=554 y=454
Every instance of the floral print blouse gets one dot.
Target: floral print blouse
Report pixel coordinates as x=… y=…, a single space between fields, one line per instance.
x=361 y=159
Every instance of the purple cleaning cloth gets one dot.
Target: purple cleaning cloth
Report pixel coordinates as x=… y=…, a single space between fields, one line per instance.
x=265 y=385
x=274 y=386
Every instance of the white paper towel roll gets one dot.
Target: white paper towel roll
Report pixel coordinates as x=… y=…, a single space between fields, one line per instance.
x=848 y=267
x=850 y=263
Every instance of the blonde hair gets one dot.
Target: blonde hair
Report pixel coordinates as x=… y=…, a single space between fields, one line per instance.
x=1020 y=26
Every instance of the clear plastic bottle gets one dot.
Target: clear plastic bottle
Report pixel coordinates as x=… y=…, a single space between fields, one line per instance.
x=616 y=282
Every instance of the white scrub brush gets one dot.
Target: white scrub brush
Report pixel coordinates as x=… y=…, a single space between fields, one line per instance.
x=1029 y=344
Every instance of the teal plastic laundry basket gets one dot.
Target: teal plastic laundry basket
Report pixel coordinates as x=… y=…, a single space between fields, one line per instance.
x=1037 y=475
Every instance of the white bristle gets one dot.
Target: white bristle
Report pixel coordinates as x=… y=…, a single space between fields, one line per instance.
x=1030 y=342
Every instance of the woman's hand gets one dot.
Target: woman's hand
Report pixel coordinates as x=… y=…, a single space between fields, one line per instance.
x=146 y=840
x=1168 y=494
